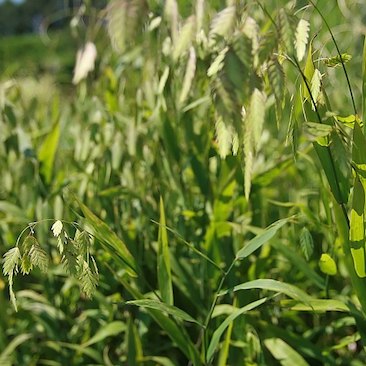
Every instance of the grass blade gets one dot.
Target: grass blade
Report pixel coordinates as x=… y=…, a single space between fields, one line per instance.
x=164 y=270
x=162 y=307
x=220 y=330
x=261 y=239
x=109 y=238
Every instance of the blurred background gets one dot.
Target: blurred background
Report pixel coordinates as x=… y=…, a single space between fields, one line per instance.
x=124 y=135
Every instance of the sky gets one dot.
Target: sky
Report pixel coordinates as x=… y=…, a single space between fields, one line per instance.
x=13 y=1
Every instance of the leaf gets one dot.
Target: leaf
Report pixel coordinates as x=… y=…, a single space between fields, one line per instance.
x=271 y=285
x=11 y=260
x=176 y=334
x=165 y=308
x=327 y=265
x=319 y=305
x=221 y=329
x=357 y=225
x=306 y=243
x=164 y=271
x=301 y=38
x=315 y=85
x=364 y=81
x=357 y=228
x=12 y=346
x=134 y=346
x=185 y=37
x=47 y=152
x=261 y=239
x=315 y=131
x=285 y=354
x=108 y=237
x=308 y=73
x=105 y=331
x=222 y=23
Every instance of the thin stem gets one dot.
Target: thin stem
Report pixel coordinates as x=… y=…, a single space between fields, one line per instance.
x=342 y=205
x=339 y=54
x=214 y=302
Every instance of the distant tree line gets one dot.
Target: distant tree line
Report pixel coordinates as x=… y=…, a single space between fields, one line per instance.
x=31 y=16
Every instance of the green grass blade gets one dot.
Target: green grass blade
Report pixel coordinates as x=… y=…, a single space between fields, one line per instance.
x=47 y=152
x=108 y=330
x=285 y=354
x=109 y=238
x=261 y=239
x=318 y=305
x=271 y=285
x=164 y=269
x=134 y=346
x=221 y=329
x=165 y=308
x=357 y=229
x=364 y=85
x=176 y=333
x=10 y=348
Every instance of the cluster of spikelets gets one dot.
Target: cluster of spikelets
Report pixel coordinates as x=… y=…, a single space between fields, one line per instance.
x=75 y=257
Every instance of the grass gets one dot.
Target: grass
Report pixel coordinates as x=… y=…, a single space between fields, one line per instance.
x=205 y=193
x=31 y=54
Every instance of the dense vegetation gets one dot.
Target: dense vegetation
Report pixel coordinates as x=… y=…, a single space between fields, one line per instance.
x=196 y=197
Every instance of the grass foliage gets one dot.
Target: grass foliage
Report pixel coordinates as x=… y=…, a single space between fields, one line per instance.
x=198 y=198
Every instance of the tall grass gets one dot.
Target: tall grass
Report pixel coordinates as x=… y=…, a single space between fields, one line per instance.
x=205 y=192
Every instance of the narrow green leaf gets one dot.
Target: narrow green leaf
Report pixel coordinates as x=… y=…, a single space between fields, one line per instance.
x=108 y=330
x=271 y=285
x=47 y=152
x=221 y=329
x=12 y=345
x=165 y=308
x=285 y=354
x=318 y=305
x=308 y=73
x=261 y=239
x=364 y=84
x=177 y=334
x=134 y=346
x=357 y=228
x=164 y=270
x=109 y=238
